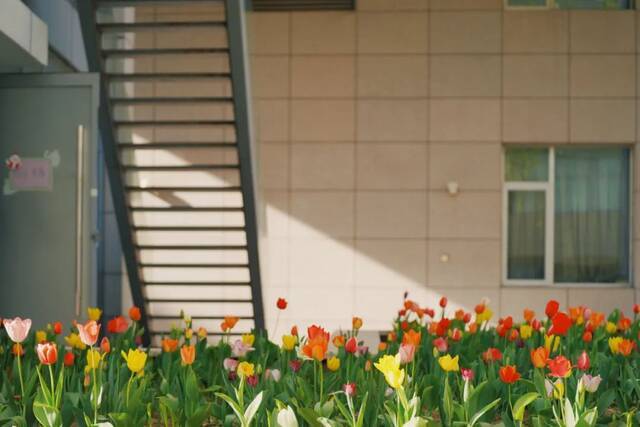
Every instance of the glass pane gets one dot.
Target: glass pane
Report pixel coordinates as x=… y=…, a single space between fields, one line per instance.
x=593 y=4
x=528 y=3
x=592 y=215
x=527 y=164
x=526 y=235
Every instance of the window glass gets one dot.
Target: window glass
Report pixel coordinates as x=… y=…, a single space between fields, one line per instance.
x=591 y=215
x=529 y=3
x=592 y=4
x=527 y=164
x=526 y=231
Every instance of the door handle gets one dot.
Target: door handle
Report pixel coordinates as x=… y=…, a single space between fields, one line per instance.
x=79 y=212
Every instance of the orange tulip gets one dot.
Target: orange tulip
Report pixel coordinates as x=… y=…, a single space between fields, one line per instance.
x=188 y=354
x=529 y=315
x=412 y=337
x=105 y=345
x=134 y=314
x=169 y=345
x=89 y=332
x=356 y=323
x=338 y=341
x=317 y=343
x=228 y=323
x=539 y=357
x=559 y=367
x=47 y=353
x=625 y=347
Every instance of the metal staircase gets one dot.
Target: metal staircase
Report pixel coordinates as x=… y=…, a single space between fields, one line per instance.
x=175 y=127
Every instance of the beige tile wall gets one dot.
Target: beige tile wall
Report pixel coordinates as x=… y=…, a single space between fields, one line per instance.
x=364 y=117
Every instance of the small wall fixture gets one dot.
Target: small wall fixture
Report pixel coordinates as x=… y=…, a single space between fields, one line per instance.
x=444 y=258
x=452 y=188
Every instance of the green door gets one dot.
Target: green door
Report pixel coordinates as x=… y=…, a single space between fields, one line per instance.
x=47 y=206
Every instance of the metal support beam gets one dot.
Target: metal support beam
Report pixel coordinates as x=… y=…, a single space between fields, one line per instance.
x=86 y=11
x=235 y=10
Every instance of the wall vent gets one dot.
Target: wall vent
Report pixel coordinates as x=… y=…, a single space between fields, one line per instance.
x=284 y=5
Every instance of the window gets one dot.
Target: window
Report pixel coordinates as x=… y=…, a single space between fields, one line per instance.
x=567 y=215
x=569 y=4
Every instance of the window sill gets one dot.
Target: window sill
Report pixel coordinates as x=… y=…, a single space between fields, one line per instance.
x=525 y=284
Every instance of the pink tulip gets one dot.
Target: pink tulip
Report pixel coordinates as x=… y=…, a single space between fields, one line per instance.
x=17 y=329
x=240 y=349
x=441 y=344
x=467 y=374
x=407 y=353
x=349 y=389
x=89 y=332
x=230 y=364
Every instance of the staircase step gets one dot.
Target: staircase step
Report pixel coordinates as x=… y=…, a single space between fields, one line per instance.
x=179 y=168
x=184 y=189
x=166 y=76
x=186 y=228
x=165 y=51
x=164 y=145
x=192 y=247
x=163 y=25
x=171 y=100
x=204 y=284
x=184 y=209
x=173 y=122
x=168 y=265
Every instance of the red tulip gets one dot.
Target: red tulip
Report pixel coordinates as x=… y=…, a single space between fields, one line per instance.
x=351 y=345
x=281 y=303
x=105 y=345
x=69 y=359
x=509 y=374
x=57 y=328
x=492 y=355
x=583 y=361
x=117 y=325
x=560 y=324
x=443 y=302
x=349 y=389
x=559 y=367
x=134 y=314
x=552 y=308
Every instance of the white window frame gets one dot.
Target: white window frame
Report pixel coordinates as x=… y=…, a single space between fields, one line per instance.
x=550 y=4
x=549 y=255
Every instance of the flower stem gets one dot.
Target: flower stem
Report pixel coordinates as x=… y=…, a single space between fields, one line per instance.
x=321 y=380
x=95 y=393
x=24 y=406
x=51 y=378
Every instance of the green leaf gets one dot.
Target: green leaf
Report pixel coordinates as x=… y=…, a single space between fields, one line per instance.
x=476 y=417
x=251 y=410
x=521 y=404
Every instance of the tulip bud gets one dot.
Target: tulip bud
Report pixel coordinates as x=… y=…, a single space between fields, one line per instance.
x=349 y=389
x=583 y=361
x=69 y=359
x=105 y=345
x=443 y=302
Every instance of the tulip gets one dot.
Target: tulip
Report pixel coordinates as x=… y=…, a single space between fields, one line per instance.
x=245 y=369
x=73 y=340
x=89 y=332
x=467 y=374
x=135 y=359
x=554 y=389
x=559 y=367
x=529 y=315
x=390 y=368
x=509 y=374
x=240 y=349
x=484 y=316
x=590 y=383
x=587 y=336
x=93 y=359
x=492 y=355
x=349 y=389
x=94 y=313
x=317 y=343
x=338 y=341
x=412 y=337
x=294 y=330
x=443 y=302
x=17 y=329
x=614 y=344
x=230 y=364
x=526 y=331
x=356 y=323
x=441 y=345
x=552 y=308
x=351 y=345
x=273 y=374
x=169 y=345
x=47 y=353
x=625 y=347
x=248 y=339
x=407 y=353
x=611 y=328
x=560 y=324
x=69 y=359
x=456 y=334
x=228 y=323
x=551 y=343
x=295 y=365
x=287 y=418
x=57 y=328
x=188 y=354
x=583 y=361
x=449 y=364
x=134 y=314
x=281 y=303
x=382 y=346
x=117 y=325
x=289 y=342
x=539 y=357
x=105 y=345
x=333 y=364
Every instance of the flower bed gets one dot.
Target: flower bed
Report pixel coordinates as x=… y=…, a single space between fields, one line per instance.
x=437 y=367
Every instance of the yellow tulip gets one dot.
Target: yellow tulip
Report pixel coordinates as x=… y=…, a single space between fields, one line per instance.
x=41 y=336
x=390 y=367
x=333 y=364
x=188 y=333
x=551 y=343
x=555 y=389
x=614 y=344
x=611 y=328
x=73 y=340
x=93 y=359
x=525 y=331
x=448 y=363
x=485 y=316
x=289 y=342
x=135 y=359
x=94 y=313
x=245 y=369
x=248 y=339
